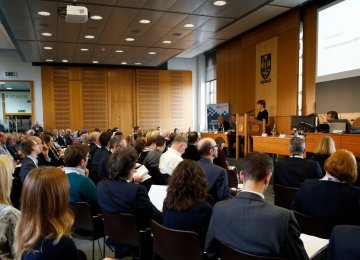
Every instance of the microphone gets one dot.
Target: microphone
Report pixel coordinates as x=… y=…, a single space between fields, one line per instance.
x=307 y=124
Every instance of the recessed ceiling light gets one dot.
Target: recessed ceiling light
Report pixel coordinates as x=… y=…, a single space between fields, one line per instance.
x=123 y=63
x=95 y=61
x=167 y=42
x=144 y=21
x=48 y=48
x=89 y=36
x=219 y=3
x=129 y=39
x=43 y=13
x=151 y=52
x=84 y=49
x=65 y=61
x=137 y=63
x=46 y=34
x=49 y=60
x=8 y=88
x=96 y=17
x=119 y=51
x=189 y=25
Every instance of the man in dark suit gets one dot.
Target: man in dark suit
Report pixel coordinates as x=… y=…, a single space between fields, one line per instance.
x=32 y=147
x=216 y=176
x=249 y=224
x=104 y=139
x=191 y=152
x=94 y=146
x=344 y=243
x=293 y=171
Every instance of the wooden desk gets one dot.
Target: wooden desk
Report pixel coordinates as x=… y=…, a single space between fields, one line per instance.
x=276 y=145
x=214 y=135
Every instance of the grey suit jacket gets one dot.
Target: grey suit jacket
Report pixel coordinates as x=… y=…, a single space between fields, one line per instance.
x=249 y=224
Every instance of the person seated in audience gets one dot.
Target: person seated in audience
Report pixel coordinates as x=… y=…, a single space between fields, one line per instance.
x=249 y=224
x=8 y=214
x=216 y=176
x=32 y=147
x=61 y=140
x=331 y=115
x=325 y=148
x=140 y=145
x=115 y=142
x=82 y=187
x=172 y=157
x=104 y=139
x=223 y=124
x=191 y=151
x=344 y=243
x=12 y=148
x=152 y=159
x=43 y=230
x=185 y=207
x=333 y=197
x=55 y=155
x=220 y=160
x=69 y=139
x=120 y=195
x=294 y=170
x=263 y=113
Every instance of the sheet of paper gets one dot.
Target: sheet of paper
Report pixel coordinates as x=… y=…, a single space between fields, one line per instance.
x=142 y=172
x=313 y=244
x=157 y=194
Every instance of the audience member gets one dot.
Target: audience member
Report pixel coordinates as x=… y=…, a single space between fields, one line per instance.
x=185 y=207
x=140 y=145
x=55 y=155
x=61 y=140
x=120 y=195
x=220 y=160
x=104 y=139
x=325 y=148
x=12 y=148
x=344 y=243
x=216 y=176
x=263 y=113
x=333 y=197
x=191 y=151
x=32 y=147
x=172 y=157
x=292 y=171
x=44 y=227
x=8 y=214
x=81 y=186
x=249 y=224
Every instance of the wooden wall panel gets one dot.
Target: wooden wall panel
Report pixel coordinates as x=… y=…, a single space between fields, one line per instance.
x=47 y=96
x=61 y=85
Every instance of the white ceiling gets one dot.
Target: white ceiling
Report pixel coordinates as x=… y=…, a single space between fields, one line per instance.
x=212 y=26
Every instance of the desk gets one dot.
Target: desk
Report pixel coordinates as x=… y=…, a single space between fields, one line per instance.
x=276 y=145
x=214 y=135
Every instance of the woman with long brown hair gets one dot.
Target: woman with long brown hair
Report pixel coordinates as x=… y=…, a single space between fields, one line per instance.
x=185 y=207
x=44 y=227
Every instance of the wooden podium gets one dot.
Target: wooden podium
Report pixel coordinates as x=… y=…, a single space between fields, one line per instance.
x=248 y=127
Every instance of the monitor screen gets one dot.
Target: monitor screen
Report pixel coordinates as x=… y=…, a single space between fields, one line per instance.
x=296 y=121
x=339 y=125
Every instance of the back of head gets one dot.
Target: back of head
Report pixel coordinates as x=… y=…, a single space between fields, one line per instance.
x=6 y=170
x=27 y=144
x=326 y=146
x=342 y=165
x=121 y=162
x=140 y=144
x=204 y=146
x=105 y=138
x=94 y=136
x=187 y=186
x=74 y=154
x=297 y=146
x=257 y=166
x=179 y=140
x=193 y=137
x=160 y=141
x=47 y=213
x=219 y=140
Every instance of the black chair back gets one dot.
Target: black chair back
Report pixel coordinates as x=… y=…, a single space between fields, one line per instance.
x=232 y=179
x=229 y=253
x=284 y=196
x=171 y=244
x=314 y=226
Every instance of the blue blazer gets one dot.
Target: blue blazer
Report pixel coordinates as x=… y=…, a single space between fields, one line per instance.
x=216 y=178
x=26 y=166
x=344 y=243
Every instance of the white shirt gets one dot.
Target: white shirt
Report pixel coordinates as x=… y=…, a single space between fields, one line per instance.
x=169 y=160
x=68 y=170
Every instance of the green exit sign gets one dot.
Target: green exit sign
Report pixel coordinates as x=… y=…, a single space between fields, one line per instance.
x=10 y=74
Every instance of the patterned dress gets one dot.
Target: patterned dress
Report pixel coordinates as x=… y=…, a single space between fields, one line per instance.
x=8 y=218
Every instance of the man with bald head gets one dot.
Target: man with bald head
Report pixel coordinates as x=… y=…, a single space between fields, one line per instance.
x=216 y=176
x=32 y=147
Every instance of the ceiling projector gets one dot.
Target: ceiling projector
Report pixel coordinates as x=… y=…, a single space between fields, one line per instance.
x=76 y=14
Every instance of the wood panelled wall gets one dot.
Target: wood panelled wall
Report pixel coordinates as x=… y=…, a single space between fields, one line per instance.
x=236 y=69
x=78 y=98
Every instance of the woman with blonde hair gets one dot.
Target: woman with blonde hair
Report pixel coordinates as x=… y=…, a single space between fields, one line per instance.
x=44 y=227
x=324 y=149
x=332 y=197
x=8 y=214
